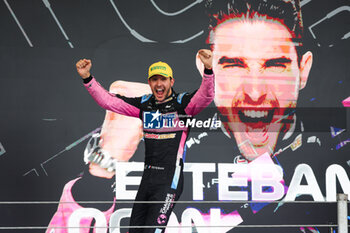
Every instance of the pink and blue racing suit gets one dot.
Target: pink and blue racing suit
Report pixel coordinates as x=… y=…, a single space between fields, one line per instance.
x=165 y=132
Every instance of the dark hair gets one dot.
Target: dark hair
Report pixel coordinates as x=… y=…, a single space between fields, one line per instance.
x=286 y=12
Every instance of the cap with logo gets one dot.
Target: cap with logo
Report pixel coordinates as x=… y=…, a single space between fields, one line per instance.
x=160 y=68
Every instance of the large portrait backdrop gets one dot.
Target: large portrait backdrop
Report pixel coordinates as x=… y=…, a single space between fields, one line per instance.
x=277 y=131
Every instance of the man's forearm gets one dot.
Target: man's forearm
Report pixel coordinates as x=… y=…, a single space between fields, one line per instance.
x=204 y=95
x=108 y=100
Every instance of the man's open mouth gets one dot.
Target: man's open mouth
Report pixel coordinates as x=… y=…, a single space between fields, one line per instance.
x=160 y=91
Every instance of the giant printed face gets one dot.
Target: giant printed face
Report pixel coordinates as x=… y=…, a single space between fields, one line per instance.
x=257 y=78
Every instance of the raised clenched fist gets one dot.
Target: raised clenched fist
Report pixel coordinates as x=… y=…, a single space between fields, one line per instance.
x=206 y=57
x=83 y=68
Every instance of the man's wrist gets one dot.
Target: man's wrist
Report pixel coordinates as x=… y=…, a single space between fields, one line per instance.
x=208 y=71
x=88 y=79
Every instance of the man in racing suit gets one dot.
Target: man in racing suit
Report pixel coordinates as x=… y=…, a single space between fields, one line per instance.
x=162 y=114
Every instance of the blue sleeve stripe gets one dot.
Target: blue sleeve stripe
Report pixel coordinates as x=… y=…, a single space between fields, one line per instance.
x=179 y=97
x=144 y=98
